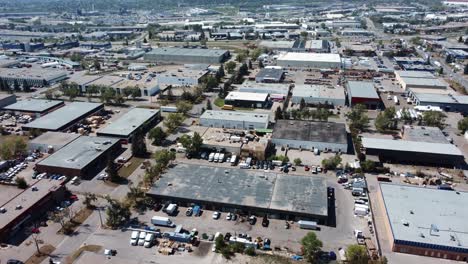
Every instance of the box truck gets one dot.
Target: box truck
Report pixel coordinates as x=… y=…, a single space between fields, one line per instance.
x=162 y=221
x=233 y=160
x=308 y=224
x=171 y=208
x=360 y=211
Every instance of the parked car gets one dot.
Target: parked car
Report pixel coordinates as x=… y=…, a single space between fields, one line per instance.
x=216 y=215
x=228 y=216
x=189 y=211
x=141 y=238
x=134 y=238
x=252 y=220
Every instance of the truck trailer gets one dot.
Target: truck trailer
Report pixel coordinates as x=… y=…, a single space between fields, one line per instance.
x=162 y=221
x=308 y=224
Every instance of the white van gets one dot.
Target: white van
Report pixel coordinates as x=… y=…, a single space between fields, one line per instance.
x=134 y=238
x=75 y=180
x=216 y=157
x=244 y=165
x=221 y=157
x=149 y=240
x=211 y=157
x=233 y=160
x=248 y=161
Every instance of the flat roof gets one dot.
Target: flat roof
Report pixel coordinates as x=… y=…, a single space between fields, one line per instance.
x=235 y=116
x=26 y=199
x=79 y=153
x=271 y=74
x=245 y=96
x=62 y=117
x=424 y=134
x=426 y=215
x=47 y=74
x=269 y=88
x=267 y=190
x=54 y=138
x=362 y=89
x=425 y=82
x=415 y=74
x=318 y=91
x=441 y=98
x=129 y=122
x=311 y=57
x=411 y=146
x=188 y=52
x=310 y=131
x=34 y=105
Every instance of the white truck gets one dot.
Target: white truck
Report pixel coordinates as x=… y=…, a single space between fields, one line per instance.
x=211 y=157
x=221 y=157
x=308 y=224
x=162 y=221
x=216 y=157
x=395 y=99
x=171 y=208
x=233 y=160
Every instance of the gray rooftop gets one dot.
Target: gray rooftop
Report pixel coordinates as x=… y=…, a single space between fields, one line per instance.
x=362 y=89
x=424 y=134
x=47 y=74
x=415 y=74
x=62 y=117
x=270 y=74
x=310 y=131
x=235 y=116
x=188 y=52
x=434 y=217
x=54 y=138
x=79 y=153
x=441 y=98
x=425 y=82
x=411 y=146
x=270 y=88
x=34 y=105
x=267 y=190
x=129 y=122
x=318 y=91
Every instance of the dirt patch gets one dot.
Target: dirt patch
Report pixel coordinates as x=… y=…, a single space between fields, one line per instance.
x=91 y=248
x=77 y=220
x=37 y=258
x=128 y=168
x=203 y=249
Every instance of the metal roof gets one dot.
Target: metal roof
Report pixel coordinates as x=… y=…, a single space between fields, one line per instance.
x=362 y=89
x=415 y=74
x=235 y=116
x=426 y=216
x=244 y=96
x=268 y=190
x=310 y=131
x=270 y=74
x=129 y=122
x=79 y=153
x=441 y=98
x=411 y=146
x=34 y=105
x=318 y=91
x=63 y=116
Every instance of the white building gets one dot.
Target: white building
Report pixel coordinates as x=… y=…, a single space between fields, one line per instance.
x=234 y=119
x=318 y=94
x=309 y=60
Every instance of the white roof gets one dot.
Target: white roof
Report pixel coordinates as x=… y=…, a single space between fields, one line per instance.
x=302 y=56
x=411 y=146
x=243 y=96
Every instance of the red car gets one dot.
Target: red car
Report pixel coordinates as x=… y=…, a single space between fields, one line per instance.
x=73 y=197
x=306 y=168
x=35 y=230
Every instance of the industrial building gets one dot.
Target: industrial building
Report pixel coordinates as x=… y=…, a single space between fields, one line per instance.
x=126 y=126
x=425 y=221
x=324 y=136
x=364 y=93
x=181 y=77
x=84 y=157
x=273 y=194
x=419 y=80
x=32 y=76
x=423 y=134
x=318 y=94
x=277 y=91
x=270 y=75
x=186 y=55
x=234 y=119
x=309 y=60
x=248 y=100
x=51 y=141
x=413 y=152
x=28 y=205
x=447 y=102
x=65 y=117
x=7 y=99
x=34 y=107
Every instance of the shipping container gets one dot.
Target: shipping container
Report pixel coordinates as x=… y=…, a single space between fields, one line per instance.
x=307 y=224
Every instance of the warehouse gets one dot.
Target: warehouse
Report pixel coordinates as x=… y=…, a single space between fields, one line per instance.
x=270 y=75
x=32 y=76
x=447 y=102
x=85 y=157
x=185 y=55
x=318 y=94
x=277 y=91
x=234 y=119
x=7 y=99
x=425 y=221
x=35 y=107
x=65 y=117
x=248 y=100
x=419 y=79
x=51 y=141
x=281 y=196
x=413 y=152
x=309 y=60
x=181 y=77
x=363 y=93
x=325 y=136
x=126 y=126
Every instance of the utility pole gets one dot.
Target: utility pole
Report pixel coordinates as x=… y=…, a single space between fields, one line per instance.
x=100 y=217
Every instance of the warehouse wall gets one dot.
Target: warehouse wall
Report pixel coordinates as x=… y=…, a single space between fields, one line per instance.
x=296 y=144
x=232 y=124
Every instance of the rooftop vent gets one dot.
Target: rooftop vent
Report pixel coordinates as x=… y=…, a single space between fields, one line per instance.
x=405 y=223
x=421 y=235
x=411 y=212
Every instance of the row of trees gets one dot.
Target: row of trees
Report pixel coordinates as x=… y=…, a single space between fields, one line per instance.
x=13 y=147
x=106 y=94
x=162 y=158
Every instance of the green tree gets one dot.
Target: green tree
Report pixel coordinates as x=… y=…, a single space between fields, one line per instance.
x=164 y=157
x=89 y=199
x=139 y=144
x=260 y=65
x=297 y=161
x=386 y=120
x=463 y=125
x=244 y=69
x=173 y=121
x=220 y=73
x=184 y=107
x=21 y=183
x=278 y=113
x=357 y=254
x=368 y=166
x=197 y=142
x=49 y=95
x=107 y=94
x=256 y=53
x=112 y=171
x=434 y=119
x=311 y=246
x=13 y=147
x=302 y=104
x=230 y=66
x=71 y=90
x=211 y=82
x=358 y=118
x=97 y=65
x=26 y=86
x=158 y=135
x=208 y=105
x=117 y=212
x=119 y=99
x=332 y=162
